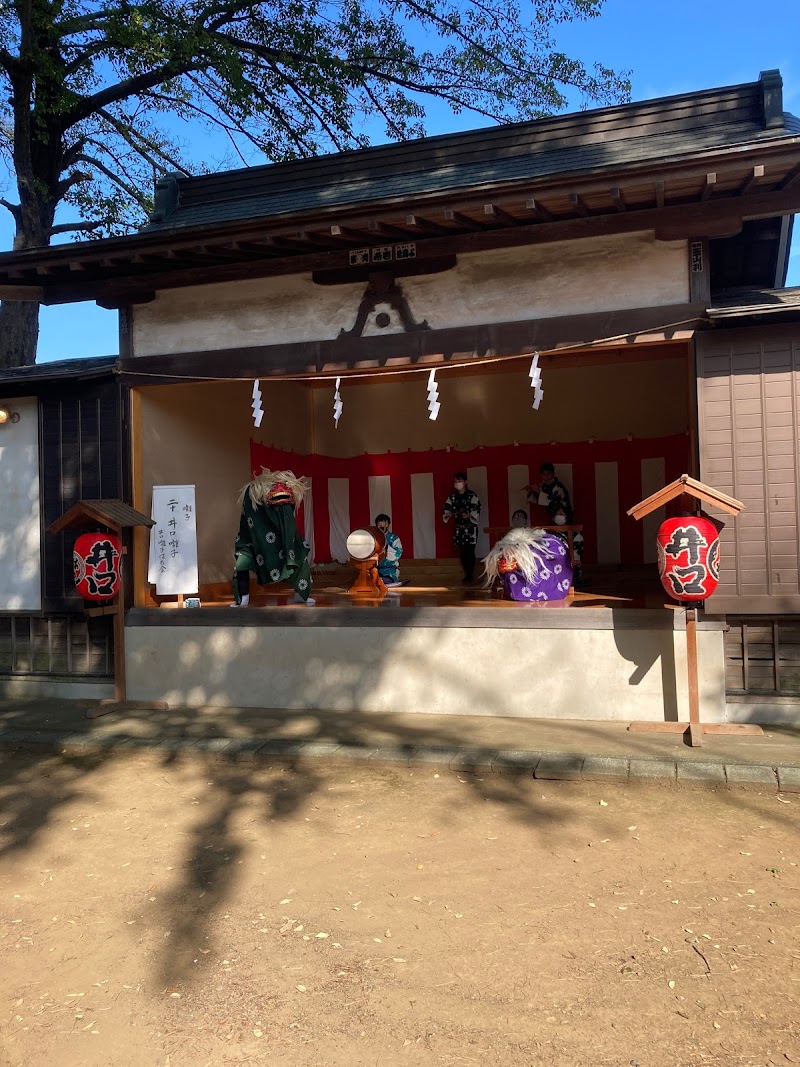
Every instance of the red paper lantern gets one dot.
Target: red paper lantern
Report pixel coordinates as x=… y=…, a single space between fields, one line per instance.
x=688 y=558
x=95 y=561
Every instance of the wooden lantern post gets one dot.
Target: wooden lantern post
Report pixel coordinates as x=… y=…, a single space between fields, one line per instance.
x=692 y=494
x=115 y=516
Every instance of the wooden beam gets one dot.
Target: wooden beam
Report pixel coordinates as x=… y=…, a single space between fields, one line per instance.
x=428 y=347
x=755 y=174
x=348 y=234
x=660 y=193
x=424 y=225
x=461 y=220
x=618 y=198
x=538 y=208
x=140 y=538
x=708 y=188
x=21 y=292
x=792 y=178
x=494 y=211
x=578 y=205
x=673 y=222
x=386 y=229
x=114 y=298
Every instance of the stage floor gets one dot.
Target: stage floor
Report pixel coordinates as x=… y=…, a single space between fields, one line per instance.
x=632 y=588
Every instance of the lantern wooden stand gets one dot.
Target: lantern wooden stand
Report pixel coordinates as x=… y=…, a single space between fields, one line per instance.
x=116 y=517
x=692 y=494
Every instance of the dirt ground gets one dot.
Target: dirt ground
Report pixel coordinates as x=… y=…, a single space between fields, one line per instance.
x=167 y=913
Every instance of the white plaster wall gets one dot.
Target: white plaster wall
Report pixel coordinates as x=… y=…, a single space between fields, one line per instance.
x=20 y=547
x=594 y=674
x=503 y=285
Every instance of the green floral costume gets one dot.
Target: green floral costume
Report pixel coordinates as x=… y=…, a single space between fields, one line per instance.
x=269 y=545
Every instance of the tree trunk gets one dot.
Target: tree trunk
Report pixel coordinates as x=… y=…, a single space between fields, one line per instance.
x=19 y=333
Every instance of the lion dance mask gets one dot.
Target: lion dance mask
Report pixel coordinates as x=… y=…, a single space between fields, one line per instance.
x=269 y=543
x=532 y=565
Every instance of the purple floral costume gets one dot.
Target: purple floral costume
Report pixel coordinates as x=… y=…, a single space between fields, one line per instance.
x=554 y=577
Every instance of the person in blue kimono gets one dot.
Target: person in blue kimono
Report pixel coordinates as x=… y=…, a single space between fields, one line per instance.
x=389 y=565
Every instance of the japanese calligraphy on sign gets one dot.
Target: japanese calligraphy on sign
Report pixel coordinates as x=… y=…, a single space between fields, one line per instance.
x=173 y=540
x=688 y=558
x=95 y=562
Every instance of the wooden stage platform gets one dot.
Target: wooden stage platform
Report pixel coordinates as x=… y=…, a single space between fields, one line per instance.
x=437 y=583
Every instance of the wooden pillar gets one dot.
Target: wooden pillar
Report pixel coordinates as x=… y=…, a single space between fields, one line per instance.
x=695 y=729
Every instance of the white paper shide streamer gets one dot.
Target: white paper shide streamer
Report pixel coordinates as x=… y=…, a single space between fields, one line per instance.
x=337 y=404
x=535 y=375
x=433 y=397
x=258 y=411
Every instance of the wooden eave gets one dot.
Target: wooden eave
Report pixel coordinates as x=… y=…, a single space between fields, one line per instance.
x=114 y=513
x=687 y=486
x=708 y=196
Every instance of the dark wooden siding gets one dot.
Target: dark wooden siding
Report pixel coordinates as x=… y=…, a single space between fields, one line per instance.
x=762 y=656
x=82 y=457
x=65 y=646
x=749 y=441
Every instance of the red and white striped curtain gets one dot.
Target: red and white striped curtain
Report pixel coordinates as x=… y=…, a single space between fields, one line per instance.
x=604 y=478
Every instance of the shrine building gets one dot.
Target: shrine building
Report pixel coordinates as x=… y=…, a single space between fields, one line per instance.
x=640 y=250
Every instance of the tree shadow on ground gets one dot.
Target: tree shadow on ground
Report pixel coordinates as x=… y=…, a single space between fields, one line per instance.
x=33 y=789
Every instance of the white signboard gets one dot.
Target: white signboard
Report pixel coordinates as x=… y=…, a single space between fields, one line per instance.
x=173 y=541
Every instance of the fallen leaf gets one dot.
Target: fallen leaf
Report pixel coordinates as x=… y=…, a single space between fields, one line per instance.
x=323 y=935
x=301 y=988
x=603 y=803
x=398 y=959
x=671 y=985
x=286 y=901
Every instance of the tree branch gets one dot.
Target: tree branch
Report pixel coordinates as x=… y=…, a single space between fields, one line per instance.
x=145 y=146
x=113 y=94
x=15 y=209
x=126 y=187
x=74 y=227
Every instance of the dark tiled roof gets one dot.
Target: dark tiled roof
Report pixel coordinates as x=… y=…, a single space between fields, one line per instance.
x=664 y=130
x=90 y=367
x=755 y=302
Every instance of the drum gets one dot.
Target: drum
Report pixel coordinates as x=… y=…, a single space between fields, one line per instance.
x=366 y=543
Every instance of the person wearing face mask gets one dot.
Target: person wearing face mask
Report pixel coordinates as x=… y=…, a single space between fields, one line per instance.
x=560 y=519
x=549 y=493
x=464 y=507
x=389 y=565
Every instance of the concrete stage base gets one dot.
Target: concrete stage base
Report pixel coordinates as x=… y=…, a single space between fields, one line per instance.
x=561 y=663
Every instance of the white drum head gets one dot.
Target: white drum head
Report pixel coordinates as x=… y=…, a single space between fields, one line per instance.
x=361 y=544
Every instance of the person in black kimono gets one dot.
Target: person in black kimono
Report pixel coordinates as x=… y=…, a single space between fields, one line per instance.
x=550 y=493
x=464 y=507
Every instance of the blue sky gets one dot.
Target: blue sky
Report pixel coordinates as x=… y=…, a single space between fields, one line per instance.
x=670 y=46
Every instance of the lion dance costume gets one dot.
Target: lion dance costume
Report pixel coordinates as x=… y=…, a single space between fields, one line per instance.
x=532 y=565
x=268 y=543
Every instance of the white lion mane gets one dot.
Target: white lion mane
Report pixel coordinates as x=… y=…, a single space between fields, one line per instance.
x=527 y=546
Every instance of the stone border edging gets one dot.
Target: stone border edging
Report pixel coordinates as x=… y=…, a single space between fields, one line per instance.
x=547 y=766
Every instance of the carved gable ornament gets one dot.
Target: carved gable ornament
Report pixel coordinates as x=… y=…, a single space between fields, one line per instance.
x=383 y=291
